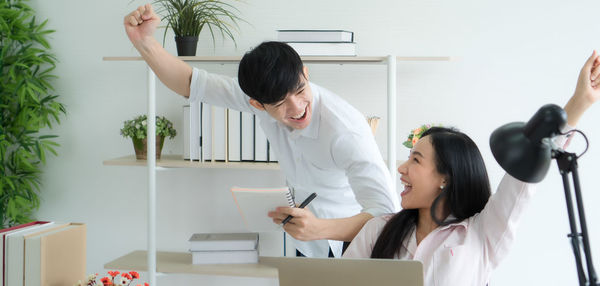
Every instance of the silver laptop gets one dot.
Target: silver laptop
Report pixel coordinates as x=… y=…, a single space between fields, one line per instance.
x=302 y=271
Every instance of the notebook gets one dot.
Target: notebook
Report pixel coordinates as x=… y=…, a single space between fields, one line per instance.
x=254 y=205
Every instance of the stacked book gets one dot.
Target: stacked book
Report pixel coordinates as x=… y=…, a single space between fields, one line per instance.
x=43 y=253
x=224 y=248
x=217 y=134
x=319 y=42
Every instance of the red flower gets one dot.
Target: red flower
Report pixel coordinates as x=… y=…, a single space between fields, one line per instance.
x=146 y=284
x=113 y=273
x=126 y=275
x=106 y=281
x=134 y=274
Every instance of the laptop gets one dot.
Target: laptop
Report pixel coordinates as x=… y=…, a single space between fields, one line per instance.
x=302 y=271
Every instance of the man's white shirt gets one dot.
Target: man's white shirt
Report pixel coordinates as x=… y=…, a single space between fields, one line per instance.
x=335 y=156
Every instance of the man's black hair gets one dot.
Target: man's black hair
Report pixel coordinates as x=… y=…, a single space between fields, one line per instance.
x=270 y=71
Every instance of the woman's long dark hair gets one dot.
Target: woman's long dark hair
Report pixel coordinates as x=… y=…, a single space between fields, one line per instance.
x=466 y=193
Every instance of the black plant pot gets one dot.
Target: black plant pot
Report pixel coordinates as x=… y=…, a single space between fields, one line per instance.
x=186 y=45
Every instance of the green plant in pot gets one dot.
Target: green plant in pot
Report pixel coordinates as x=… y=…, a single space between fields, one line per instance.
x=187 y=18
x=136 y=129
x=28 y=105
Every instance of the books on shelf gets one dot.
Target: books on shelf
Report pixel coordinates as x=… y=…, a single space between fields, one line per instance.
x=223 y=241
x=43 y=253
x=219 y=134
x=260 y=143
x=234 y=135
x=219 y=127
x=248 y=135
x=323 y=36
x=225 y=257
x=224 y=248
x=324 y=49
x=206 y=132
x=254 y=204
x=319 y=42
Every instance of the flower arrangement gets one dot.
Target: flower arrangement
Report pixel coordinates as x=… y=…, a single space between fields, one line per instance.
x=137 y=129
x=415 y=135
x=113 y=278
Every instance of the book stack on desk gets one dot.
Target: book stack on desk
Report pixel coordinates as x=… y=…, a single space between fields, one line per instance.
x=224 y=248
x=319 y=42
x=43 y=253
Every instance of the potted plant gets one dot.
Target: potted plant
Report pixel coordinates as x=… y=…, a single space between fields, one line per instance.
x=187 y=18
x=28 y=105
x=136 y=130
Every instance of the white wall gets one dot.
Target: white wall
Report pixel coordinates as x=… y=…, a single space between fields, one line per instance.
x=513 y=57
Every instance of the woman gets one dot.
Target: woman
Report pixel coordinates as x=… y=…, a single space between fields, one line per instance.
x=449 y=221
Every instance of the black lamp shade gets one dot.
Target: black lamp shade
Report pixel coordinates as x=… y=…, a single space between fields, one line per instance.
x=524 y=150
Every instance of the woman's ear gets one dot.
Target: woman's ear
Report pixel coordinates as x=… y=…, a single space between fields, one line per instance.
x=444 y=183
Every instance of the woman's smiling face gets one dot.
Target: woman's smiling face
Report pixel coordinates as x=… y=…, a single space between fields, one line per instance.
x=422 y=182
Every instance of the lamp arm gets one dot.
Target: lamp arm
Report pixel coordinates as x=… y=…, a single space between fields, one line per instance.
x=567 y=163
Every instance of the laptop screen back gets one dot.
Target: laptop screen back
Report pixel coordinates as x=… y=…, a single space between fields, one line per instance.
x=302 y=271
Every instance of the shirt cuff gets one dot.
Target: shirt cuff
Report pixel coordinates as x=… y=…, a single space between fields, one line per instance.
x=197 y=85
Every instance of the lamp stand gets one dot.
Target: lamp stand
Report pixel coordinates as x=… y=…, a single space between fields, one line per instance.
x=567 y=163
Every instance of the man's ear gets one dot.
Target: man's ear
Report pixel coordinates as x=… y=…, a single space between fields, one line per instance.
x=305 y=71
x=256 y=104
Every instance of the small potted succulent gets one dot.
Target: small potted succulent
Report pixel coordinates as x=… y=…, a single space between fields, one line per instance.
x=136 y=130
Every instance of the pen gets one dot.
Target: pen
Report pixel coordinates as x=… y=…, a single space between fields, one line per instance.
x=302 y=205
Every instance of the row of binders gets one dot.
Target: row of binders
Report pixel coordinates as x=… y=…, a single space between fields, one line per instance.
x=43 y=253
x=224 y=248
x=217 y=134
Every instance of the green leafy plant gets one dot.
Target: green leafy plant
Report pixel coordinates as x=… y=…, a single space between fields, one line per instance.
x=189 y=17
x=27 y=106
x=137 y=127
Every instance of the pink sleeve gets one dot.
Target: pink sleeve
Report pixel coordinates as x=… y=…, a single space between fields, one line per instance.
x=363 y=242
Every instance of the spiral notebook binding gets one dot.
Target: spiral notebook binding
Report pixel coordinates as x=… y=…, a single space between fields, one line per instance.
x=290 y=198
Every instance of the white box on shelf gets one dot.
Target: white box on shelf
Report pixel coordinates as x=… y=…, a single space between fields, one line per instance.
x=325 y=49
x=225 y=257
x=323 y=36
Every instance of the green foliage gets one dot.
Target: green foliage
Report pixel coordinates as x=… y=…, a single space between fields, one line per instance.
x=27 y=105
x=136 y=128
x=189 y=17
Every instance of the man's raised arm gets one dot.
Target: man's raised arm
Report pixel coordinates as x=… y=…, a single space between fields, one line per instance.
x=140 y=26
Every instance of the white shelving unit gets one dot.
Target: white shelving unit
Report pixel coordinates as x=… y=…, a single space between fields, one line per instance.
x=180 y=262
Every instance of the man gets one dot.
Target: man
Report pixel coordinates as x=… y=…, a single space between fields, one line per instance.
x=323 y=144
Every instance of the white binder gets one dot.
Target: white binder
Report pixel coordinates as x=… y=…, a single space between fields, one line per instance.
x=247 y=136
x=234 y=136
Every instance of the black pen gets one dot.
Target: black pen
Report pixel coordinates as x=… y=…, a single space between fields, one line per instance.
x=302 y=205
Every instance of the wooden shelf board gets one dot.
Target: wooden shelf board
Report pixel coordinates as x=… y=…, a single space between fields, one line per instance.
x=181 y=262
x=177 y=161
x=339 y=60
